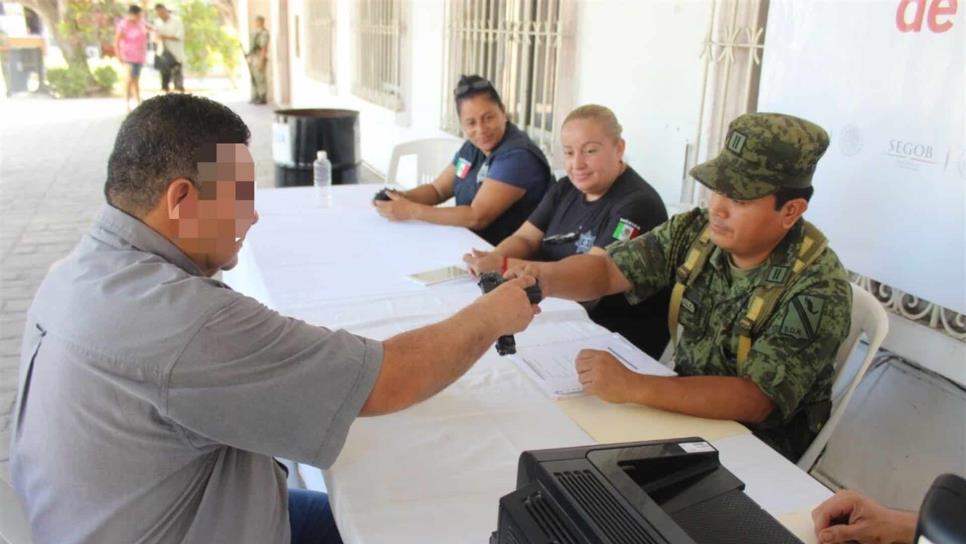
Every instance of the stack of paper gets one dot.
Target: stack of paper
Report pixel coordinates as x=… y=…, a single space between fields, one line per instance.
x=552 y=365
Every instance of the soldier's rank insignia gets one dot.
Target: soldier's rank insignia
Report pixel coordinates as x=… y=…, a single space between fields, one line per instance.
x=803 y=317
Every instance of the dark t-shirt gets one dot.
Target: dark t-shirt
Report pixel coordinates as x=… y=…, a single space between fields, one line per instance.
x=517 y=162
x=571 y=225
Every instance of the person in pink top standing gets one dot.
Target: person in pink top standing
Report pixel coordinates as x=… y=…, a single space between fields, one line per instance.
x=130 y=42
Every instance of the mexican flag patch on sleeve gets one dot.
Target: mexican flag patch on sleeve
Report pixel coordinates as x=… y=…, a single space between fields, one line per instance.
x=463 y=168
x=625 y=230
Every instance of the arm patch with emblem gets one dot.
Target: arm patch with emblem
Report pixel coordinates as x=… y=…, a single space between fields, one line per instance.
x=804 y=316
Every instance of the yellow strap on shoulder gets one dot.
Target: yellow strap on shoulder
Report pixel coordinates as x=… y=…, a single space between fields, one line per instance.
x=766 y=297
x=686 y=274
x=672 y=311
x=744 y=348
x=759 y=302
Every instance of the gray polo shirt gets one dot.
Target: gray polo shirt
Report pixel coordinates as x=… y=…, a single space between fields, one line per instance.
x=152 y=398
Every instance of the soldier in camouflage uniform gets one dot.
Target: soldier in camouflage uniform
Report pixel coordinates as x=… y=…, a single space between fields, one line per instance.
x=258 y=62
x=761 y=184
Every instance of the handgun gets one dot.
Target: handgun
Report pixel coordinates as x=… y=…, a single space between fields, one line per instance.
x=506 y=345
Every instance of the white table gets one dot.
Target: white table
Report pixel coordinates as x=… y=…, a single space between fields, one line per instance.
x=435 y=472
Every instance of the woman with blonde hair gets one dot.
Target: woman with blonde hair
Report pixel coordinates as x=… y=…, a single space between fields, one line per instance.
x=602 y=200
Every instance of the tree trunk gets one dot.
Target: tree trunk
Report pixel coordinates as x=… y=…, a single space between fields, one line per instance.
x=51 y=11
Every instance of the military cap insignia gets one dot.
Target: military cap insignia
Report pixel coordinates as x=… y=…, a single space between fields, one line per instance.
x=736 y=142
x=803 y=318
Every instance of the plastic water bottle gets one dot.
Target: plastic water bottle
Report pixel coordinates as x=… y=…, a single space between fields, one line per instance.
x=322 y=179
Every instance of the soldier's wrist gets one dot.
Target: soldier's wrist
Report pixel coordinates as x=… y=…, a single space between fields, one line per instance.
x=640 y=389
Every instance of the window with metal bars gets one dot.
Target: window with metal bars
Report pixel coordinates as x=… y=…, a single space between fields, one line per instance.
x=320 y=33
x=517 y=45
x=378 y=39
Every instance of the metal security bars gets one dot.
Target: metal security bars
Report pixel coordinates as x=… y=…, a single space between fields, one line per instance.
x=517 y=45
x=732 y=55
x=320 y=40
x=378 y=30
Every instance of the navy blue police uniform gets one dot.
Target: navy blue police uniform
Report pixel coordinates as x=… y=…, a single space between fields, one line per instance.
x=572 y=225
x=516 y=161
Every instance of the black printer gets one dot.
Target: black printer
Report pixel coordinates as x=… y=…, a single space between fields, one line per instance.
x=671 y=491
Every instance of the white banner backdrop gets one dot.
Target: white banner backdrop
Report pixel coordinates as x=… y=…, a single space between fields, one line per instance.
x=886 y=79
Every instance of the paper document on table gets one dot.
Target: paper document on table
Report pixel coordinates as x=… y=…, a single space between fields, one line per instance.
x=439 y=275
x=552 y=365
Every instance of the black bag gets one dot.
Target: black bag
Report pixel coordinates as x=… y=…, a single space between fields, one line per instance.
x=165 y=61
x=159 y=64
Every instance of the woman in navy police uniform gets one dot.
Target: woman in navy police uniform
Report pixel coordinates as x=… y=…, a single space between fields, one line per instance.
x=602 y=200
x=498 y=177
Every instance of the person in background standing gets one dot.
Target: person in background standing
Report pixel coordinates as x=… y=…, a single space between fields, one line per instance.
x=171 y=33
x=130 y=42
x=258 y=61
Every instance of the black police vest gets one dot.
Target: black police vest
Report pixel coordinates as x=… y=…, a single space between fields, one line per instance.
x=466 y=186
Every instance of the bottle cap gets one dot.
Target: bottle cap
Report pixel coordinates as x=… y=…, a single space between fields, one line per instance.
x=321 y=154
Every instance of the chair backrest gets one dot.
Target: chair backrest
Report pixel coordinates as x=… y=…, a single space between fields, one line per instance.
x=432 y=155
x=868 y=318
x=14 y=528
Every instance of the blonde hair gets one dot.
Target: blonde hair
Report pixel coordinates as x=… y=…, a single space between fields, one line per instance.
x=602 y=115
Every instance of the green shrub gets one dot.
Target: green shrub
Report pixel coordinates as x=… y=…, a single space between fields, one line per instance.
x=106 y=77
x=67 y=82
x=208 y=42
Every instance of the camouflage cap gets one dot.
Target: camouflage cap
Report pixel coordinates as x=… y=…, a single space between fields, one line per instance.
x=763 y=153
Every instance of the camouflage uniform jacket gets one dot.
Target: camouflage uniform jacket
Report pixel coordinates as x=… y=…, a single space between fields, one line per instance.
x=791 y=359
x=259 y=41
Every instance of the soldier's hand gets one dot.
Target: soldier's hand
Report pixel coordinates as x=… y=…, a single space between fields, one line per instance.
x=851 y=517
x=601 y=374
x=398 y=208
x=507 y=308
x=532 y=269
x=480 y=262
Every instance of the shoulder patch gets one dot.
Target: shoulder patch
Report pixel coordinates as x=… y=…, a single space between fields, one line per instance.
x=463 y=168
x=804 y=316
x=625 y=230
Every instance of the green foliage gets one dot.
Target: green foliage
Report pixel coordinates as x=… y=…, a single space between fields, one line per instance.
x=82 y=23
x=72 y=81
x=90 y=22
x=106 y=77
x=208 y=42
x=68 y=82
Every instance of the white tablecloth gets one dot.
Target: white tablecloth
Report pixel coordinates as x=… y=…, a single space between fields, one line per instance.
x=435 y=472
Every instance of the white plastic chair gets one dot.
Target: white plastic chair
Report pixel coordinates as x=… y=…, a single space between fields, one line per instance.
x=14 y=528
x=868 y=317
x=432 y=155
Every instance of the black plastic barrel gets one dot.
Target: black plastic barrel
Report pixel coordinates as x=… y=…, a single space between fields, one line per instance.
x=298 y=135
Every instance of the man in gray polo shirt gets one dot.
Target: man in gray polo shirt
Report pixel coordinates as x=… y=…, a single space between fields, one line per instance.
x=153 y=397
